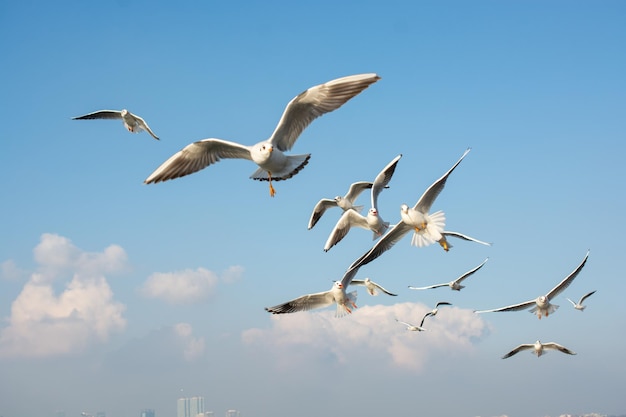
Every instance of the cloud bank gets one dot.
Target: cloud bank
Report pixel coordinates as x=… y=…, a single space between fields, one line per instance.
x=44 y=323
x=371 y=331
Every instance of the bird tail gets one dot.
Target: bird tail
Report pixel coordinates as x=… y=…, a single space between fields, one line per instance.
x=294 y=164
x=343 y=310
x=434 y=227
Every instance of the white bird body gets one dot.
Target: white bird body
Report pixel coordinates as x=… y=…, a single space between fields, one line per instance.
x=372 y=221
x=456 y=284
x=372 y=287
x=344 y=202
x=273 y=163
x=579 y=305
x=539 y=349
x=542 y=306
x=132 y=122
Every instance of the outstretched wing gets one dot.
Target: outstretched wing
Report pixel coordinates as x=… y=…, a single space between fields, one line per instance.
x=428 y=198
x=196 y=156
x=382 y=180
x=470 y=272
x=584 y=297
x=314 y=102
x=304 y=303
x=514 y=307
x=429 y=287
x=464 y=237
x=349 y=219
x=356 y=189
x=144 y=126
x=558 y=347
x=518 y=349
x=100 y=114
x=567 y=280
x=320 y=209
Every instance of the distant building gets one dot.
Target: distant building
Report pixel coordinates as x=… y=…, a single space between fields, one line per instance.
x=190 y=407
x=147 y=413
x=206 y=414
x=233 y=413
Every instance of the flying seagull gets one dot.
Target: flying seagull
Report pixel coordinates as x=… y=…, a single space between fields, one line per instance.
x=413 y=327
x=435 y=310
x=542 y=305
x=373 y=221
x=539 y=349
x=132 y=122
x=372 y=287
x=273 y=163
x=345 y=203
x=579 y=305
x=456 y=284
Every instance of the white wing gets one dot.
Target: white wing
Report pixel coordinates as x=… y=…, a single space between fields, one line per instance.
x=429 y=287
x=464 y=237
x=314 y=102
x=356 y=189
x=320 y=209
x=196 y=156
x=428 y=198
x=143 y=125
x=382 y=180
x=556 y=346
x=584 y=297
x=349 y=219
x=514 y=307
x=567 y=280
x=470 y=272
x=100 y=114
x=376 y=286
x=519 y=349
x=303 y=303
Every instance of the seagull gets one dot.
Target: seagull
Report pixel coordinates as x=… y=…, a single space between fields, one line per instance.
x=412 y=327
x=345 y=203
x=541 y=305
x=579 y=305
x=372 y=287
x=132 y=122
x=454 y=285
x=273 y=163
x=539 y=348
x=435 y=310
x=400 y=229
x=373 y=221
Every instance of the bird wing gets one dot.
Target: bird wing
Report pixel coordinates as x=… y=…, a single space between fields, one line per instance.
x=464 y=237
x=382 y=180
x=350 y=218
x=518 y=349
x=556 y=346
x=320 y=209
x=442 y=303
x=584 y=297
x=405 y=323
x=429 y=287
x=514 y=307
x=567 y=280
x=303 y=303
x=144 y=126
x=100 y=114
x=196 y=156
x=376 y=285
x=386 y=242
x=470 y=272
x=428 y=198
x=424 y=318
x=314 y=102
x=356 y=189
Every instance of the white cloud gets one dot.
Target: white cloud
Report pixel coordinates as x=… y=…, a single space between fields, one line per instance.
x=187 y=286
x=43 y=323
x=193 y=347
x=310 y=336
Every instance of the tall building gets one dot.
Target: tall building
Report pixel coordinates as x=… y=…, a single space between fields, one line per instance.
x=190 y=407
x=147 y=413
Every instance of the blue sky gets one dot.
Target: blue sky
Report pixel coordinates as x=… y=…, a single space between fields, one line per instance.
x=119 y=296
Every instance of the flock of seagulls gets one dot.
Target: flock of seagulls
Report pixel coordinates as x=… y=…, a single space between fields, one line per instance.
x=274 y=164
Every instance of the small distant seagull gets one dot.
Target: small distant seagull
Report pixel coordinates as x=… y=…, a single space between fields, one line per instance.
x=412 y=327
x=454 y=285
x=372 y=287
x=345 y=203
x=373 y=221
x=579 y=305
x=435 y=310
x=539 y=348
x=132 y=122
x=273 y=164
x=542 y=305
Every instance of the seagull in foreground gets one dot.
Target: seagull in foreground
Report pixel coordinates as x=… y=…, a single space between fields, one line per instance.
x=413 y=327
x=372 y=287
x=454 y=285
x=579 y=305
x=434 y=229
x=541 y=305
x=539 y=349
x=132 y=122
x=373 y=221
x=273 y=163
x=345 y=203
